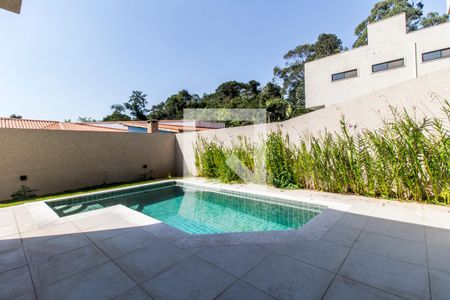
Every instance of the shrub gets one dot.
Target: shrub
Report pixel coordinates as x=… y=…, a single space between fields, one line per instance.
x=23 y=193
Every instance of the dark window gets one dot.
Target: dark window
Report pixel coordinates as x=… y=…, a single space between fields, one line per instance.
x=379 y=67
x=436 y=54
x=388 y=65
x=396 y=64
x=344 y=75
x=446 y=52
x=339 y=76
x=431 y=55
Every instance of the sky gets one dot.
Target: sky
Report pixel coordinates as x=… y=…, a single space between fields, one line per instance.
x=66 y=59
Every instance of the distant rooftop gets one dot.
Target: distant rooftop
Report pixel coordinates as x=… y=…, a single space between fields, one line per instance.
x=173 y=126
x=81 y=127
x=25 y=124
x=164 y=125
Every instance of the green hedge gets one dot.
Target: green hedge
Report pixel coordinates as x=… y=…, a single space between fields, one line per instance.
x=406 y=159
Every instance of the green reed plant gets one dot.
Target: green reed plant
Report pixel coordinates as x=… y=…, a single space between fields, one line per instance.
x=208 y=157
x=212 y=159
x=407 y=158
x=279 y=161
x=304 y=167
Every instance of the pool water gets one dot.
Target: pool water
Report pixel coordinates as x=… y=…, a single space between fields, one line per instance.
x=198 y=211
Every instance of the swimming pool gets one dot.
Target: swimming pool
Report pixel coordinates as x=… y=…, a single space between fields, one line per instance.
x=197 y=210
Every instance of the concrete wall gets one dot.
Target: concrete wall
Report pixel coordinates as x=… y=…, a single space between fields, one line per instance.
x=56 y=161
x=388 y=41
x=419 y=95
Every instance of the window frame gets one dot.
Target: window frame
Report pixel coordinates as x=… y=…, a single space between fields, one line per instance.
x=441 y=54
x=387 y=65
x=345 y=75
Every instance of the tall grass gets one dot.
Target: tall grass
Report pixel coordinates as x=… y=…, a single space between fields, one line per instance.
x=280 y=161
x=407 y=158
x=211 y=159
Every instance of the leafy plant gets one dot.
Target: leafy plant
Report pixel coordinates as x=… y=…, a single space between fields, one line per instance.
x=23 y=193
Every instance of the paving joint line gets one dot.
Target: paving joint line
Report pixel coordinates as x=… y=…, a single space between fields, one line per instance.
x=343 y=261
x=26 y=259
x=428 y=265
x=249 y=283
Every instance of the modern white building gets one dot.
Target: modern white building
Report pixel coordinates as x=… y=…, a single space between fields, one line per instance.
x=392 y=56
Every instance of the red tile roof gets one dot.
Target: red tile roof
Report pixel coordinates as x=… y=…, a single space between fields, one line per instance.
x=25 y=124
x=141 y=124
x=164 y=125
x=81 y=127
x=52 y=125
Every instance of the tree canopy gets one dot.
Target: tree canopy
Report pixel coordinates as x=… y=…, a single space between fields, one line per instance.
x=86 y=119
x=173 y=107
x=136 y=106
x=118 y=114
x=231 y=94
x=433 y=19
x=292 y=74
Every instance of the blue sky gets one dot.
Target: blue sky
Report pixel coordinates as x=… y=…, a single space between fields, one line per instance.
x=64 y=59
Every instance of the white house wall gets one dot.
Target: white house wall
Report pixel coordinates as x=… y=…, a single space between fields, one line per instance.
x=388 y=41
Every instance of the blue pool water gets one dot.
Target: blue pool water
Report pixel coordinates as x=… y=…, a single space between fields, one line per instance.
x=198 y=211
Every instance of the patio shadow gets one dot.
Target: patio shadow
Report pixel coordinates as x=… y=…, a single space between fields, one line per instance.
x=119 y=253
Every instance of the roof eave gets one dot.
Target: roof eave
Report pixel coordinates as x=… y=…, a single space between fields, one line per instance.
x=11 y=5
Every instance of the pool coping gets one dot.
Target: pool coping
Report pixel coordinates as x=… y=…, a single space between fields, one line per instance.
x=44 y=215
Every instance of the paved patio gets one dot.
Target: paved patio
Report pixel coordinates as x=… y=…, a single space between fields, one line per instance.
x=375 y=249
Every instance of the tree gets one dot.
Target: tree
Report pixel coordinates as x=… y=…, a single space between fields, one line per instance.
x=386 y=9
x=432 y=19
x=173 y=107
x=252 y=89
x=326 y=45
x=234 y=94
x=176 y=103
x=271 y=90
x=278 y=109
x=157 y=112
x=293 y=73
x=14 y=116
x=118 y=114
x=137 y=105
x=86 y=119
x=229 y=90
